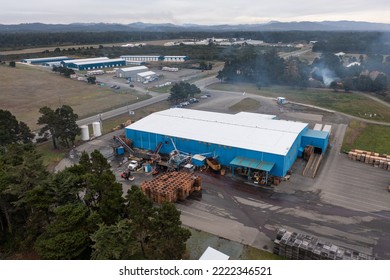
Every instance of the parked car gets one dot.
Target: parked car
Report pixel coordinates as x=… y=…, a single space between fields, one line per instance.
x=183 y=104
x=193 y=100
x=133 y=165
x=203 y=97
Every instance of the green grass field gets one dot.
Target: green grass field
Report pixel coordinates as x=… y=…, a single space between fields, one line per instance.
x=111 y=123
x=247 y=105
x=355 y=104
x=25 y=89
x=50 y=156
x=164 y=89
x=362 y=136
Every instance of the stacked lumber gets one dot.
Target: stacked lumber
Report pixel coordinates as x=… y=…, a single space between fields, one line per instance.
x=297 y=246
x=171 y=187
x=378 y=160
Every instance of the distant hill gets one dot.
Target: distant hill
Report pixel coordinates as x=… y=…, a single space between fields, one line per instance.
x=169 y=27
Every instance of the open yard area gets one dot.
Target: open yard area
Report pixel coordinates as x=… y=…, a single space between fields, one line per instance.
x=25 y=89
x=367 y=137
x=354 y=104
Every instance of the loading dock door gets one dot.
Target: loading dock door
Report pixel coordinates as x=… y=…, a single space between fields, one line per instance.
x=252 y=163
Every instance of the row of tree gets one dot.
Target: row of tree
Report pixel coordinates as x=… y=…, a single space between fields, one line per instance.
x=358 y=42
x=248 y=64
x=67 y=72
x=263 y=68
x=80 y=212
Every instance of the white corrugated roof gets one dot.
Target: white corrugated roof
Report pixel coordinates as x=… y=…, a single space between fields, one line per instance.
x=47 y=58
x=99 y=61
x=256 y=133
x=134 y=68
x=85 y=59
x=140 y=56
x=147 y=73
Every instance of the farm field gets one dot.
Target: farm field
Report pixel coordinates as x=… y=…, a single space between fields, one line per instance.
x=25 y=89
x=355 y=104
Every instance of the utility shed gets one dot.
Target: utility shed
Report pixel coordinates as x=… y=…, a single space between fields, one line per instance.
x=272 y=143
x=213 y=254
x=318 y=139
x=130 y=72
x=146 y=76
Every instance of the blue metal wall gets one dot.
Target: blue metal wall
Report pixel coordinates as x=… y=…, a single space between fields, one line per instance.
x=226 y=154
x=318 y=139
x=95 y=66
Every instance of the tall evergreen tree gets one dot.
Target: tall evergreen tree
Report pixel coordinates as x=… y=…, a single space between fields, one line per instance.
x=67 y=237
x=12 y=131
x=61 y=123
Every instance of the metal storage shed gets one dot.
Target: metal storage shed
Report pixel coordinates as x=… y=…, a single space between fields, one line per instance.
x=130 y=72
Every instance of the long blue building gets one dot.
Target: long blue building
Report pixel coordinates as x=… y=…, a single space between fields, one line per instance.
x=93 y=63
x=255 y=141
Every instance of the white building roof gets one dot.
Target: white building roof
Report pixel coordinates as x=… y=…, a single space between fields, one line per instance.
x=353 y=64
x=134 y=68
x=46 y=58
x=76 y=61
x=98 y=61
x=146 y=74
x=212 y=254
x=244 y=130
x=141 y=56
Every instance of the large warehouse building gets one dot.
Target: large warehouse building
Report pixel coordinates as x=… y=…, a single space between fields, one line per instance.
x=130 y=59
x=43 y=60
x=93 y=63
x=245 y=139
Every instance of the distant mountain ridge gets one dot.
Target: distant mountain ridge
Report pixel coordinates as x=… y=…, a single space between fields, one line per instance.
x=169 y=27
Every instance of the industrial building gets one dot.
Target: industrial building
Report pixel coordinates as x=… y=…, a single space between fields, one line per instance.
x=146 y=76
x=43 y=60
x=175 y=58
x=130 y=72
x=243 y=140
x=131 y=59
x=93 y=63
x=143 y=58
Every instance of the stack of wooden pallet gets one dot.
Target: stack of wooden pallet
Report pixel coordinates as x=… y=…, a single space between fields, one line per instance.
x=298 y=246
x=376 y=159
x=171 y=187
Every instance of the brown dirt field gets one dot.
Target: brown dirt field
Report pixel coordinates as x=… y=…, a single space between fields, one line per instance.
x=25 y=89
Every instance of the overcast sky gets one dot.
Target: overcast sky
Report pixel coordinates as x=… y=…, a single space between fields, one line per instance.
x=191 y=11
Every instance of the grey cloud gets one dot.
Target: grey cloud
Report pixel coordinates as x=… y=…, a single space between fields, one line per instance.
x=189 y=11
